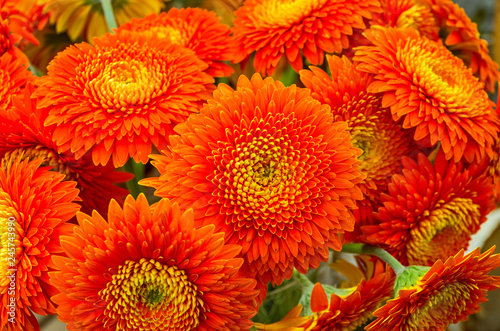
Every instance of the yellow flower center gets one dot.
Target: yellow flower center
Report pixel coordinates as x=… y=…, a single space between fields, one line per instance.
x=125 y=86
x=264 y=170
x=442 y=305
x=175 y=35
x=284 y=13
x=443 y=231
x=10 y=239
x=149 y=295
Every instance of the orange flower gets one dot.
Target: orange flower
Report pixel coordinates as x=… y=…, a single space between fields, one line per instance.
x=437 y=95
x=348 y=312
x=14 y=75
x=432 y=209
x=272 y=29
x=268 y=166
x=372 y=129
x=407 y=14
x=150 y=271
x=34 y=206
x=448 y=293
x=461 y=36
x=22 y=132
x=121 y=95
x=193 y=28
x=291 y=322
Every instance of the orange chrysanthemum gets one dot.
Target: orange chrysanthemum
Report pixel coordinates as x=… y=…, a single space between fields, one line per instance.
x=14 y=75
x=437 y=95
x=193 y=28
x=448 y=293
x=432 y=209
x=121 y=95
x=145 y=270
x=274 y=28
x=461 y=36
x=35 y=205
x=407 y=14
x=22 y=132
x=350 y=311
x=372 y=129
x=268 y=166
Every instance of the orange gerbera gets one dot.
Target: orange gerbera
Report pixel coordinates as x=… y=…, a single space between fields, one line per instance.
x=448 y=293
x=150 y=271
x=407 y=14
x=14 y=75
x=268 y=166
x=461 y=36
x=274 y=28
x=372 y=129
x=121 y=95
x=432 y=209
x=437 y=95
x=34 y=206
x=193 y=28
x=22 y=132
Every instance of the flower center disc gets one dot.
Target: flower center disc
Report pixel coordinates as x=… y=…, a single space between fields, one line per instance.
x=149 y=295
x=9 y=239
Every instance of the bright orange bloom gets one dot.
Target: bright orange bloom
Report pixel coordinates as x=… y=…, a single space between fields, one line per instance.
x=121 y=95
x=144 y=270
x=35 y=205
x=193 y=28
x=14 y=75
x=372 y=129
x=268 y=166
x=461 y=36
x=407 y=14
x=432 y=209
x=22 y=132
x=448 y=293
x=350 y=311
x=436 y=95
x=274 y=28
x=291 y=322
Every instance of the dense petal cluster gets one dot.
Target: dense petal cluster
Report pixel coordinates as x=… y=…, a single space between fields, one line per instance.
x=268 y=166
x=193 y=28
x=436 y=95
x=121 y=95
x=461 y=36
x=432 y=209
x=275 y=28
x=22 y=133
x=14 y=76
x=36 y=203
x=372 y=129
x=85 y=19
x=144 y=270
x=448 y=293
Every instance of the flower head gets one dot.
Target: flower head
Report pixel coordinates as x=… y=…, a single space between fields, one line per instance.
x=121 y=95
x=436 y=95
x=461 y=36
x=372 y=129
x=193 y=28
x=36 y=203
x=275 y=28
x=432 y=210
x=22 y=133
x=448 y=293
x=150 y=271
x=268 y=166
x=85 y=19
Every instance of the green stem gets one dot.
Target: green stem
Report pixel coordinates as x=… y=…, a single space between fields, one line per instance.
x=357 y=248
x=138 y=170
x=108 y=14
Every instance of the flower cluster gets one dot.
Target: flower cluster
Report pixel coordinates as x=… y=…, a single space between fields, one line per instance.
x=194 y=168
